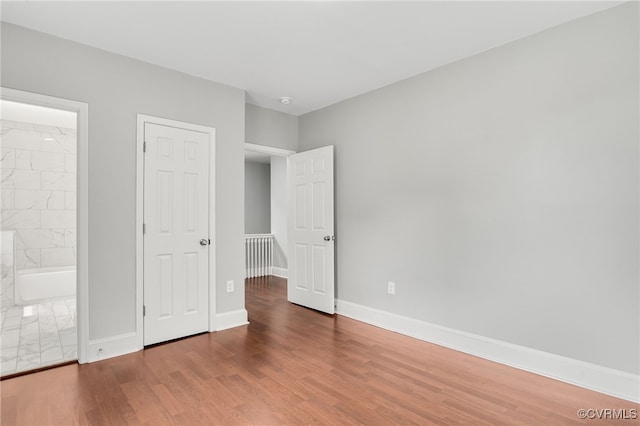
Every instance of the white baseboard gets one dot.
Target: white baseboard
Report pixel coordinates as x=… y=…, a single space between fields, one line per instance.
x=110 y=347
x=280 y=272
x=591 y=376
x=231 y=319
x=127 y=343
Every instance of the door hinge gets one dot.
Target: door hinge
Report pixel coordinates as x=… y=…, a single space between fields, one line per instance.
x=144 y=228
x=144 y=310
x=144 y=146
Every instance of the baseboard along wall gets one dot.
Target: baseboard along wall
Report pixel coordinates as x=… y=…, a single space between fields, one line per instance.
x=590 y=376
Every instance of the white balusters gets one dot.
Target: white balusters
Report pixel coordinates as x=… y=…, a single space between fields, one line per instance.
x=258 y=254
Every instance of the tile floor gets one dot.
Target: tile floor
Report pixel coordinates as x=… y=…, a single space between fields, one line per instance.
x=38 y=335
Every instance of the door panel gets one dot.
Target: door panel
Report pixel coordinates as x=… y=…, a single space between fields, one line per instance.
x=176 y=200
x=311 y=267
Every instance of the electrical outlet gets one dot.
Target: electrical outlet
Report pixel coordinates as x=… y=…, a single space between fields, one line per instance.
x=391 y=287
x=230 y=286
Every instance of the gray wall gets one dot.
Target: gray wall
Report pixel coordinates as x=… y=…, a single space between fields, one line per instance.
x=116 y=89
x=279 y=210
x=257 y=198
x=264 y=126
x=500 y=192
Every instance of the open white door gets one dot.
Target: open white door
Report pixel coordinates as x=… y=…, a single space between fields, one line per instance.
x=310 y=229
x=176 y=233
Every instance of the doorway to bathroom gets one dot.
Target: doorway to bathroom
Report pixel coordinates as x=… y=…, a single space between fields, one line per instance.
x=39 y=232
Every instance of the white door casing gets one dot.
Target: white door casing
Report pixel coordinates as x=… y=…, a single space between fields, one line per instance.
x=311 y=229
x=176 y=232
x=82 y=205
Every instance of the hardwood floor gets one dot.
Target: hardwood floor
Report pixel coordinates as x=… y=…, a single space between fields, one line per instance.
x=291 y=365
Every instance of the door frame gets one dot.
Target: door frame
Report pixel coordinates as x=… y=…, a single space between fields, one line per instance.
x=141 y=120
x=270 y=150
x=82 y=202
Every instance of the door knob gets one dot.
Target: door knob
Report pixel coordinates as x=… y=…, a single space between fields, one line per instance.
x=329 y=238
x=204 y=242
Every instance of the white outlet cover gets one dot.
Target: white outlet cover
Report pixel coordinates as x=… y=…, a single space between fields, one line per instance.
x=229 y=286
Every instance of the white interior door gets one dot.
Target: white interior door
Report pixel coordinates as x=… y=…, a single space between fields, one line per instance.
x=176 y=233
x=310 y=222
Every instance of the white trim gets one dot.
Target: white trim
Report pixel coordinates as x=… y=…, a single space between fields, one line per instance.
x=82 y=206
x=139 y=234
x=113 y=346
x=232 y=319
x=141 y=120
x=591 y=376
x=212 y=230
x=279 y=272
x=263 y=149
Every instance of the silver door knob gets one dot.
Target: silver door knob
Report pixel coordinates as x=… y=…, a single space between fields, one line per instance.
x=204 y=242
x=328 y=238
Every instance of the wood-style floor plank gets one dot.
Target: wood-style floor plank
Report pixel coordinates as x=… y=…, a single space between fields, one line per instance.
x=293 y=366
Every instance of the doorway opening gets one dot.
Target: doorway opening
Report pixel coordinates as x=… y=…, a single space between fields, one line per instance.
x=40 y=234
x=307 y=219
x=265 y=211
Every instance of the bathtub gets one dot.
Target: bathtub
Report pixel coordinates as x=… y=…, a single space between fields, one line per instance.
x=37 y=285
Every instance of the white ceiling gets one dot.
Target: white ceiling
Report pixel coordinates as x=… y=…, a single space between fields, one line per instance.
x=317 y=53
x=35 y=114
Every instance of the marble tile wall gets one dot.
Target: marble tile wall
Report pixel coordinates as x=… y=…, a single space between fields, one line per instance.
x=7 y=283
x=39 y=193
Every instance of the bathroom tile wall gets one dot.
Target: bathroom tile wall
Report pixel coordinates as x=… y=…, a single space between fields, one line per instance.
x=39 y=193
x=7 y=283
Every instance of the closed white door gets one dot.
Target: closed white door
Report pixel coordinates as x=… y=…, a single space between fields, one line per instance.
x=176 y=233
x=311 y=239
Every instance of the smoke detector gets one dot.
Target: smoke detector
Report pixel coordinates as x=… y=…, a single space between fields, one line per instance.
x=285 y=100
